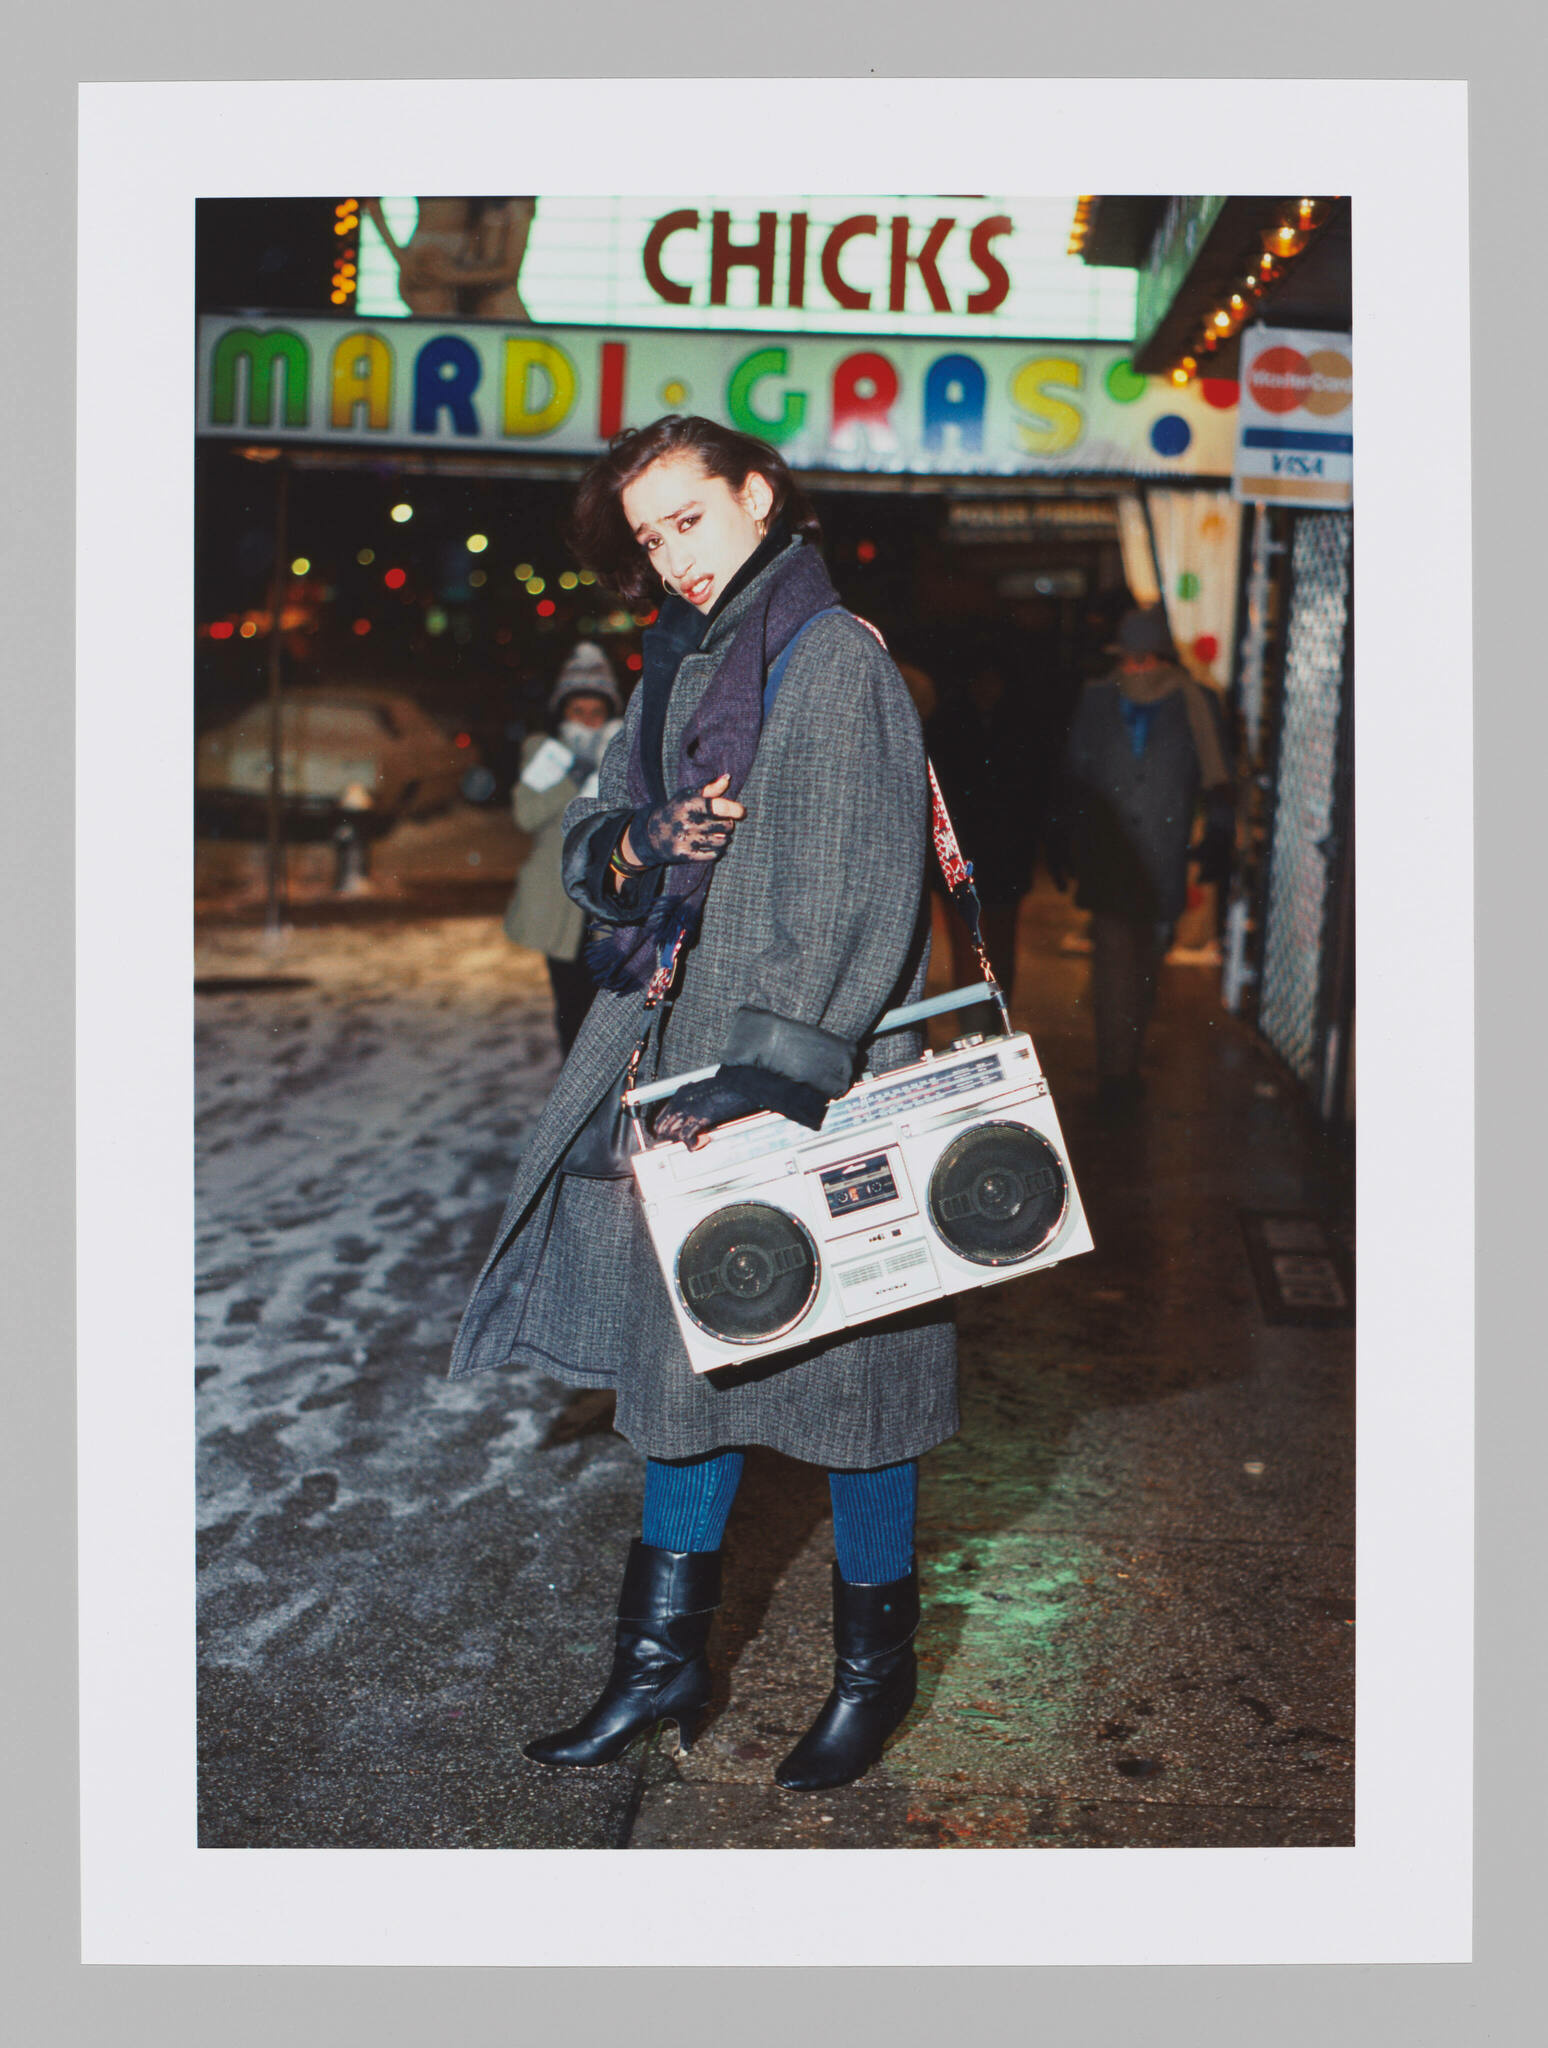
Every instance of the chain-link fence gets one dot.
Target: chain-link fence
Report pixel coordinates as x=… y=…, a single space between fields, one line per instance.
x=1303 y=847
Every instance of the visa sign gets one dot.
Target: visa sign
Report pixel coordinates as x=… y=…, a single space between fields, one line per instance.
x=1295 y=422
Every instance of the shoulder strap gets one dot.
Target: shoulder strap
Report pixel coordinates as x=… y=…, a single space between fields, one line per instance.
x=956 y=871
x=781 y=660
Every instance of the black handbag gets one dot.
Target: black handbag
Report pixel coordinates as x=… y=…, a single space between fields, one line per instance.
x=605 y=1143
x=603 y=1146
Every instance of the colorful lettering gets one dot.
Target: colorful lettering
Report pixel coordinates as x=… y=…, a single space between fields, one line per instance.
x=764 y=362
x=955 y=394
x=260 y=352
x=362 y=376
x=1056 y=425
x=540 y=385
x=661 y=233
x=446 y=375
x=865 y=389
x=924 y=263
x=726 y=256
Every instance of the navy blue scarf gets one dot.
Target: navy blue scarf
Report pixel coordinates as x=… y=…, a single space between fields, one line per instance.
x=721 y=738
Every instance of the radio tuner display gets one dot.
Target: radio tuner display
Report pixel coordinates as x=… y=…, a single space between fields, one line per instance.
x=858 y=1184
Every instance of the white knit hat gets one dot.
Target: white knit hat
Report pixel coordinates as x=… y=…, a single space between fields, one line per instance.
x=587 y=669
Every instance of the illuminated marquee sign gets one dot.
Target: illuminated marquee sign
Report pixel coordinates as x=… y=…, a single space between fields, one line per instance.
x=969 y=267
x=900 y=405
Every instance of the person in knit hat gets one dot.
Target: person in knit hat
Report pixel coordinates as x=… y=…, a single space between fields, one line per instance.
x=585 y=709
x=1142 y=749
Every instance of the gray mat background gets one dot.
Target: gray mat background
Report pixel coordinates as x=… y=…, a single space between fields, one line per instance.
x=1498 y=47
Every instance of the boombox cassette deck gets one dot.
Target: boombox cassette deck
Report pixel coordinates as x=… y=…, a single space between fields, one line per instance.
x=947 y=1174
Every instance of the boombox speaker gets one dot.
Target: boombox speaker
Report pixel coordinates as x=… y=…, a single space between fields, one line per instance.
x=926 y=1180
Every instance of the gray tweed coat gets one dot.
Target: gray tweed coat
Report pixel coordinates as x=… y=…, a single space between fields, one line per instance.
x=817 y=914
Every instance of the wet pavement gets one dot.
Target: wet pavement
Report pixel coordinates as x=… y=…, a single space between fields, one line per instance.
x=1136 y=1558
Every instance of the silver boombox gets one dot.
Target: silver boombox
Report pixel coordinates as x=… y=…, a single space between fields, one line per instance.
x=928 y=1180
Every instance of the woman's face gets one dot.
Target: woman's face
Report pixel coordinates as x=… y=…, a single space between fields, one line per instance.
x=696 y=530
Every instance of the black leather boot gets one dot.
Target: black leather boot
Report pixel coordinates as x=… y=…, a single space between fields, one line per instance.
x=873 y=1684
x=659 y=1670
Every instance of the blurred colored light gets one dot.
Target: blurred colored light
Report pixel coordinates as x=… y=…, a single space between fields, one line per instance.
x=587 y=577
x=477 y=542
x=361 y=626
x=523 y=571
x=401 y=514
x=300 y=566
x=866 y=551
x=568 y=580
x=633 y=661
x=222 y=630
x=477 y=578
x=535 y=586
x=546 y=608
x=395 y=578
x=464 y=739
x=249 y=630
x=435 y=620
x=366 y=557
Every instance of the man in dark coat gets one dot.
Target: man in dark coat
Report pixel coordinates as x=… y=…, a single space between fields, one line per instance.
x=1142 y=746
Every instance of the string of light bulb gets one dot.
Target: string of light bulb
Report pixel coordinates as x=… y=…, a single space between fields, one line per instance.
x=1280 y=245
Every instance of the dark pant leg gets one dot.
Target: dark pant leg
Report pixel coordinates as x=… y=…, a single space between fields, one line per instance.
x=873 y=1522
x=573 y=990
x=1126 y=956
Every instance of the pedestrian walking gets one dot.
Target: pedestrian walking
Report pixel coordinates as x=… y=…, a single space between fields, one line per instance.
x=1142 y=746
x=789 y=840
x=585 y=710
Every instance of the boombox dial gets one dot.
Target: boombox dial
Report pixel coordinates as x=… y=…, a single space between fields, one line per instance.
x=998 y=1194
x=747 y=1273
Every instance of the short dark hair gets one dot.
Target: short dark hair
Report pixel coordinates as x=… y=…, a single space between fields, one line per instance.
x=597 y=532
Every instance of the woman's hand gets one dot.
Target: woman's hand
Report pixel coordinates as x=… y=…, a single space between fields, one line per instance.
x=696 y=824
x=694 y=1111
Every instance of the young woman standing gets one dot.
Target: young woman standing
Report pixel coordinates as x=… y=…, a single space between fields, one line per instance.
x=791 y=847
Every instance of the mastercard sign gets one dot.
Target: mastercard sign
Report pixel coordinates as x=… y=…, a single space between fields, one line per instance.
x=1295 y=432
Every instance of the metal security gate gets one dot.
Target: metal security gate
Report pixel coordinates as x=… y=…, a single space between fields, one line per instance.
x=1303 y=986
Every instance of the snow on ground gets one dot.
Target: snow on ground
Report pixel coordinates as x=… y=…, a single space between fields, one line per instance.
x=355 y=1141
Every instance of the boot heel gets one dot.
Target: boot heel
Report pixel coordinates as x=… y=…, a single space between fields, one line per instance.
x=687 y=1720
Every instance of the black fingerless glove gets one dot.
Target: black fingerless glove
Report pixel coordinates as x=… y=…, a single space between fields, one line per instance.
x=736 y=1092
x=683 y=828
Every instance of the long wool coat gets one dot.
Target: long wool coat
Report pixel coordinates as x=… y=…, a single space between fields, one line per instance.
x=1132 y=814
x=817 y=914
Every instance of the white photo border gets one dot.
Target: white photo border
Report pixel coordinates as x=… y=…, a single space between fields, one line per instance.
x=1402 y=1893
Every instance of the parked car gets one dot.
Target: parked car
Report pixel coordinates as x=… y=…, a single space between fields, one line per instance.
x=337 y=742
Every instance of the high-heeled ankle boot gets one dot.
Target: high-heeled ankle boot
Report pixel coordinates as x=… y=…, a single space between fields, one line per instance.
x=874 y=1678
x=659 y=1670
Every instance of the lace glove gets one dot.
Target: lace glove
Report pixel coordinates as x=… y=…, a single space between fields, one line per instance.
x=700 y=1106
x=696 y=824
x=734 y=1092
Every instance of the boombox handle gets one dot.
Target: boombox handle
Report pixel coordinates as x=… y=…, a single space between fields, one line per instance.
x=635 y=1099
